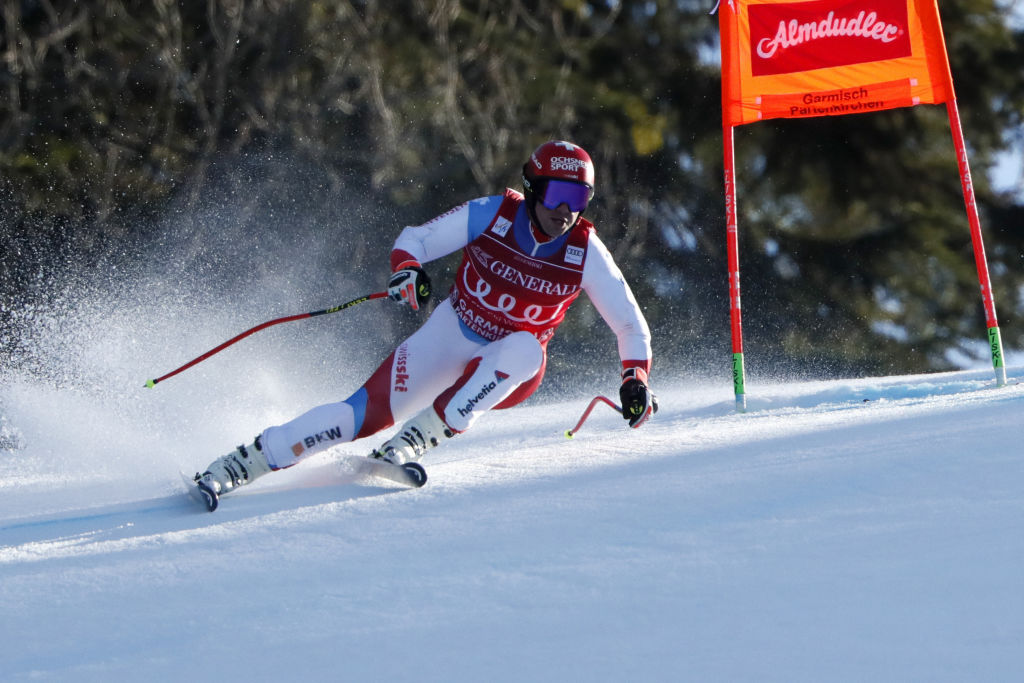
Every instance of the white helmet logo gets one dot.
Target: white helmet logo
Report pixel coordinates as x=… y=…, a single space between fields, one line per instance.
x=571 y=164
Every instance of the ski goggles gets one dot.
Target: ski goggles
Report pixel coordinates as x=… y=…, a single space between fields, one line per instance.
x=575 y=195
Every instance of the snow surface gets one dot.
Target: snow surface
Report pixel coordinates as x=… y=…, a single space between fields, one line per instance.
x=844 y=530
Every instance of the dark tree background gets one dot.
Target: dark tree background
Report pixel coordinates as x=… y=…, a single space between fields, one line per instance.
x=117 y=116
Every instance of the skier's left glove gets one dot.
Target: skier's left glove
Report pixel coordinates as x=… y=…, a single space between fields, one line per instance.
x=638 y=401
x=409 y=285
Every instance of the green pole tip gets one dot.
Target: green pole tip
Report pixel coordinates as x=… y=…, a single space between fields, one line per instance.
x=569 y=434
x=150 y=384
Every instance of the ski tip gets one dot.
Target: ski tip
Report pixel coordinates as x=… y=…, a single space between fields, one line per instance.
x=416 y=474
x=209 y=496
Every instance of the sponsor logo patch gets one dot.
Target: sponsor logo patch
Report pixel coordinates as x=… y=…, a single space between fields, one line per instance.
x=570 y=164
x=332 y=434
x=487 y=388
x=501 y=226
x=801 y=36
x=401 y=369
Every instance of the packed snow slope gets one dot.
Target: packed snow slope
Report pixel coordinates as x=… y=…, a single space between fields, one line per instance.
x=845 y=530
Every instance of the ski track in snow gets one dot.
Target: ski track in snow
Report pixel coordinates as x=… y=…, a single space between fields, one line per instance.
x=864 y=529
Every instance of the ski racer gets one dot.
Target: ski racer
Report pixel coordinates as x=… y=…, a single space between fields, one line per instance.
x=525 y=259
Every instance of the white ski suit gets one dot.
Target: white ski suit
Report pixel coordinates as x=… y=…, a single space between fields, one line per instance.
x=485 y=346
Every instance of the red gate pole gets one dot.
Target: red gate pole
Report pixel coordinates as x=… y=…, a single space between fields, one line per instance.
x=733 y=249
x=994 y=340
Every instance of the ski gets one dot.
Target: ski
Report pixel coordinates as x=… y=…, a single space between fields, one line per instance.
x=200 y=492
x=409 y=474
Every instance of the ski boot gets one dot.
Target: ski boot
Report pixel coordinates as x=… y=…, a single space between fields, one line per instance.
x=415 y=438
x=397 y=457
x=241 y=466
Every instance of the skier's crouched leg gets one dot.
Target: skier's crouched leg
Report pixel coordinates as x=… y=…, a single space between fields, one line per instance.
x=490 y=378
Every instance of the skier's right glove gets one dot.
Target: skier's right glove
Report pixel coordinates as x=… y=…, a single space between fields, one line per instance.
x=638 y=401
x=409 y=285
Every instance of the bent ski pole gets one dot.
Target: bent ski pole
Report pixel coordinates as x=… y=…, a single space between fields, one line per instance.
x=277 y=321
x=569 y=433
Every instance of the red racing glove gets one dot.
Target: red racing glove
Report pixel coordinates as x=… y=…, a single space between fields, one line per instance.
x=409 y=285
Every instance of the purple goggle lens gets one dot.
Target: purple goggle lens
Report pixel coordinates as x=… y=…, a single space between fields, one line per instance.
x=559 y=192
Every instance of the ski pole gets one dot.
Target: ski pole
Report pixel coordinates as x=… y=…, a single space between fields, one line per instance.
x=569 y=433
x=262 y=326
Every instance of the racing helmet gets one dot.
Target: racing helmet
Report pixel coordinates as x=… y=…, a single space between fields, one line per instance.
x=559 y=172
